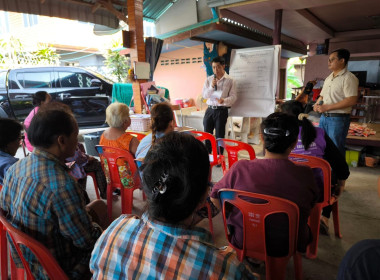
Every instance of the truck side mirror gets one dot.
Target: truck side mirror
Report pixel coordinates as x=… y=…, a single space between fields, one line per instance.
x=96 y=83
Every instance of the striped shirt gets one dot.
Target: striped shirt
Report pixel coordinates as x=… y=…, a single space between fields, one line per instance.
x=134 y=248
x=44 y=201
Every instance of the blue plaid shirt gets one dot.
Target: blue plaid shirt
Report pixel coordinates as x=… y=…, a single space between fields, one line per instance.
x=133 y=248
x=43 y=200
x=6 y=161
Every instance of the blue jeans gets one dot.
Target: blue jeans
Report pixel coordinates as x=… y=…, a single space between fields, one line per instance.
x=337 y=129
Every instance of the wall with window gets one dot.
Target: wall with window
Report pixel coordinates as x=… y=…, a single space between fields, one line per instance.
x=182 y=72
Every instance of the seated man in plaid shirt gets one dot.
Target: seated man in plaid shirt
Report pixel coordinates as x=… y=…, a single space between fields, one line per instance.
x=40 y=198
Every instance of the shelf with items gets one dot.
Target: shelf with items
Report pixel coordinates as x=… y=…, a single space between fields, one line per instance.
x=360 y=111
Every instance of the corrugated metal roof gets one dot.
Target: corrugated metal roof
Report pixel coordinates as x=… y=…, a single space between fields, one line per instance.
x=84 y=10
x=153 y=9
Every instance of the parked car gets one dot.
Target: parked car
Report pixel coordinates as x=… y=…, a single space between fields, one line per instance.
x=86 y=92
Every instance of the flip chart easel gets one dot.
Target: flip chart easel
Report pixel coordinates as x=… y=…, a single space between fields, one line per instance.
x=255 y=72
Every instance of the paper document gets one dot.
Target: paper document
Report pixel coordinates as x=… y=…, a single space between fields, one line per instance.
x=216 y=95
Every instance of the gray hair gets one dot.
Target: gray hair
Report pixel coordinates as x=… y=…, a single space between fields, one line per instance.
x=117 y=114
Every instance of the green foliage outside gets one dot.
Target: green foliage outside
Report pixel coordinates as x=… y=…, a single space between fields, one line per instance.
x=117 y=64
x=292 y=80
x=14 y=54
x=46 y=55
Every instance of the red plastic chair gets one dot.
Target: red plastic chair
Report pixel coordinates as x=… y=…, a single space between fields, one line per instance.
x=233 y=147
x=254 y=215
x=138 y=135
x=121 y=172
x=3 y=251
x=215 y=159
x=93 y=176
x=43 y=255
x=315 y=215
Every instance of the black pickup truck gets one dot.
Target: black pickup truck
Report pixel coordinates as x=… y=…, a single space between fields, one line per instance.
x=87 y=93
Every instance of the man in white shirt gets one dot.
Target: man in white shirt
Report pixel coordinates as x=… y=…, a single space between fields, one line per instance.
x=339 y=94
x=219 y=89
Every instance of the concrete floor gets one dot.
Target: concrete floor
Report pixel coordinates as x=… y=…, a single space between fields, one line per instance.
x=359 y=209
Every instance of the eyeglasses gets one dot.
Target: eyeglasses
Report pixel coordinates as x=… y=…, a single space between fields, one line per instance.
x=332 y=59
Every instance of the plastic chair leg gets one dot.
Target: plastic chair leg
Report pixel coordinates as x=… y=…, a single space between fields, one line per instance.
x=109 y=203
x=209 y=212
x=224 y=167
x=336 y=219
x=3 y=253
x=16 y=273
x=314 y=220
x=297 y=258
x=126 y=201
x=92 y=175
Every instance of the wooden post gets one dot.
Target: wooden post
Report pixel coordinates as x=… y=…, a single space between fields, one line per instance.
x=135 y=23
x=277 y=28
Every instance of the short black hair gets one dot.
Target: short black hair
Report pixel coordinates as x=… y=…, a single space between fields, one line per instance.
x=10 y=130
x=48 y=124
x=39 y=97
x=184 y=162
x=280 y=131
x=343 y=53
x=219 y=59
x=308 y=133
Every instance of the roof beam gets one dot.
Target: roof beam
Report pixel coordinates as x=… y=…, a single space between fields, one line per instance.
x=258 y=27
x=95 y=7
x=316 y=21
x=109 y=6
x=356 y=35
x=196 y=34
x=195 y=38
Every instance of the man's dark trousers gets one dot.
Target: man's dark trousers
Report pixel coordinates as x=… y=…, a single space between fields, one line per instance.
x=215 y=118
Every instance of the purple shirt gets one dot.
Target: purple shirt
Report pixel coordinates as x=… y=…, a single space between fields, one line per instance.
x=316 y=149
x=277 y=177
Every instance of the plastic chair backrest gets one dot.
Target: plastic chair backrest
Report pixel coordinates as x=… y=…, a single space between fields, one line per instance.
x=233 y=147
x=138 y=135
x=43 y=255
x=313 y=163
x=119 y=167
x=203 y=136
x=254 y=215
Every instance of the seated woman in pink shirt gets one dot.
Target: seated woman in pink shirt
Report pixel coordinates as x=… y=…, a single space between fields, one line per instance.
x=39 y=98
